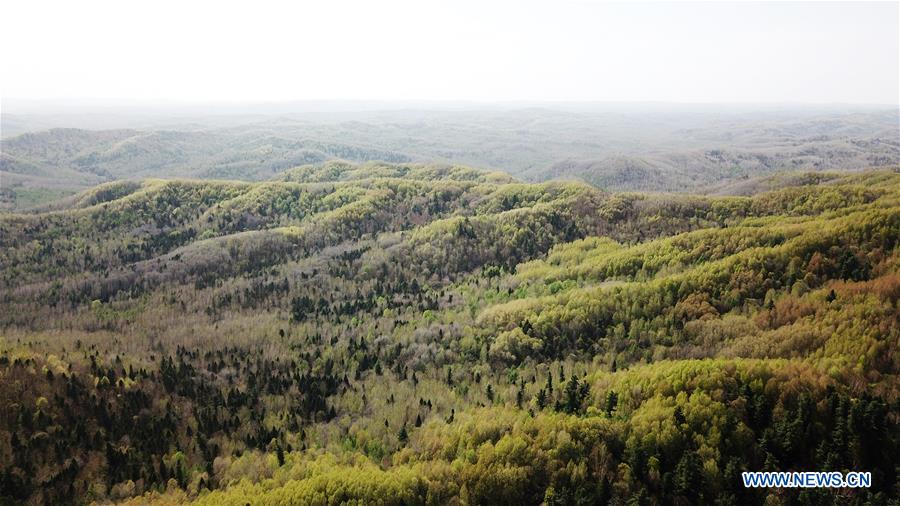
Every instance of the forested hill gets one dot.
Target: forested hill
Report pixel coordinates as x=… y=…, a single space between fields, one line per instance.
x=653 y=148
x=413 y=334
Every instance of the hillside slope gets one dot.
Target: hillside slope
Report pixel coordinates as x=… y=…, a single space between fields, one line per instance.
x=414 y=334
x=638 y=148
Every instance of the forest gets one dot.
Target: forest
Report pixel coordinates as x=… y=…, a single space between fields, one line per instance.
x=404 y=333
x=663 y=147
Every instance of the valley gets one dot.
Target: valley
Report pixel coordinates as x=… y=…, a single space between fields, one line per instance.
x=403 y=333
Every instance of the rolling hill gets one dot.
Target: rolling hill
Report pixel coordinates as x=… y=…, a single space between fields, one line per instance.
x=653 y=148
x=436 y=334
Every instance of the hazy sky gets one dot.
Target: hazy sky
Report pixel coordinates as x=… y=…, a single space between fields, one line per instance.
x=257 y=50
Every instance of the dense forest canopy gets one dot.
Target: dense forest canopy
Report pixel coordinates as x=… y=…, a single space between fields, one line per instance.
x=398 y=333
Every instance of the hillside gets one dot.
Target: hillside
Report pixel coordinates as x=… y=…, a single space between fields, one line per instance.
x=72 y=159
x=650 y=148
x=425 y=334
x=712 y=169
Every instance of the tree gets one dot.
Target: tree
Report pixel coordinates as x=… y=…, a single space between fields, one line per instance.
x=612 y=400
x=688 y=477
x=574 y=396
x=541 y=399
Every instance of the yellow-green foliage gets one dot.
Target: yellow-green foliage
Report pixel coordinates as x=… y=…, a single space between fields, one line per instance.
x=404 y=334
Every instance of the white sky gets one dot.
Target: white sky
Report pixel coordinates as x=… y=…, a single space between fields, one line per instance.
x=259 y=50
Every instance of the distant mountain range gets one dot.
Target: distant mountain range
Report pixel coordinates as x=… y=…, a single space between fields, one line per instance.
x=647 y=150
